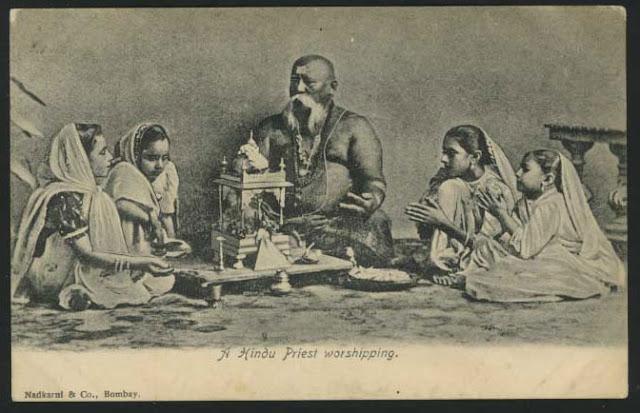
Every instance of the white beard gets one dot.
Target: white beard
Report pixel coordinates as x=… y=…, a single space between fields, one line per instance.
x=317 y=115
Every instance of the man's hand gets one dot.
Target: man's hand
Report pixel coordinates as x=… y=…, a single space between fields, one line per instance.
x=309 y=223
x=363 y=205
x=255 y=158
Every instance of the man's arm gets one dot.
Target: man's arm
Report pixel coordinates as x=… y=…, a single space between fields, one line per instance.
x=365 y=161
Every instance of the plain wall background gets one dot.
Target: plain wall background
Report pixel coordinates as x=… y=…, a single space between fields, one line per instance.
x=209 y=75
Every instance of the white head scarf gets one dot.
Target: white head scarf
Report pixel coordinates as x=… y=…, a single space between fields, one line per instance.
x=70 y=165
x=596 y=248
x=69 y=161
x=126 y=180
x=129 y=144
x=501 y=163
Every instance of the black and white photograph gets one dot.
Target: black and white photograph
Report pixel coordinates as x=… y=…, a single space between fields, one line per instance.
x=369 y=201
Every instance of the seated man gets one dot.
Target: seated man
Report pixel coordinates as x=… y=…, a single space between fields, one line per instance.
x=334 y=159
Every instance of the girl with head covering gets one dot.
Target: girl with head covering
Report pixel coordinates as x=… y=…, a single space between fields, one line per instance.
x=144 y=186
x=70 y=247
x=556 y=250
x=473 y=164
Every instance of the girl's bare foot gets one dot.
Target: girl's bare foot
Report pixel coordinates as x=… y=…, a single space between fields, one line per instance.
x=449 y=280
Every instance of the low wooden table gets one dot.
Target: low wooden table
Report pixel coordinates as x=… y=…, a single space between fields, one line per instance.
x=202 y=280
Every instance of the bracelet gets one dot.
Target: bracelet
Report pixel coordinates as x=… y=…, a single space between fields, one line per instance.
x=122 y=264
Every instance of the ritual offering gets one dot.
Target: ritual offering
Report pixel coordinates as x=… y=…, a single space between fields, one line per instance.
x=380 y=279
x=376 y=279
x=310 y=256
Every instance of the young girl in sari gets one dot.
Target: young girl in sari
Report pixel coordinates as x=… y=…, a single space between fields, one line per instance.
x=473 y=164
x=144 y=186
x=556 y=250
x=70 y=247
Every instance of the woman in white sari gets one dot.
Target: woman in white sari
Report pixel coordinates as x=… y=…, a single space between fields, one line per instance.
x=473 y=164
x=556 y=250
x=70 y=246
x=144 y=186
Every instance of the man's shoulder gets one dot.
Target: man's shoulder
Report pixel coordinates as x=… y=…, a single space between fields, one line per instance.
x=270 y=124
x=355 y=120
x=359 y=126
x=274 y=130
x=351 y=116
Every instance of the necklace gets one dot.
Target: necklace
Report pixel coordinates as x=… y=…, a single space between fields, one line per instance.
x=305 y=156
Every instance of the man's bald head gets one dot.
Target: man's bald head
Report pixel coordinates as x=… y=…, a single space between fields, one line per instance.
x=317 y=63
x=315 y=76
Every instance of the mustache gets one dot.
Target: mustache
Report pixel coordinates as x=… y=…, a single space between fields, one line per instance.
x=304 y=98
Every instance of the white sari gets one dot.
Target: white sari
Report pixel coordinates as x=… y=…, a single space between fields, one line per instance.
x=457 y=198
x=126 y=181
x=59 y=268
x=560 y=252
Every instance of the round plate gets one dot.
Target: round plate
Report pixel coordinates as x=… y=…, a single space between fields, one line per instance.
x=167 y=271
x=172 y=248
x=380 y=279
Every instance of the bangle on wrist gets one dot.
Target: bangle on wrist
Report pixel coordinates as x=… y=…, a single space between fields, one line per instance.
x=122 y=264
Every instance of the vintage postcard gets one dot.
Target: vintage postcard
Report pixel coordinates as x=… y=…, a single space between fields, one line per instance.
x=318 y=203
